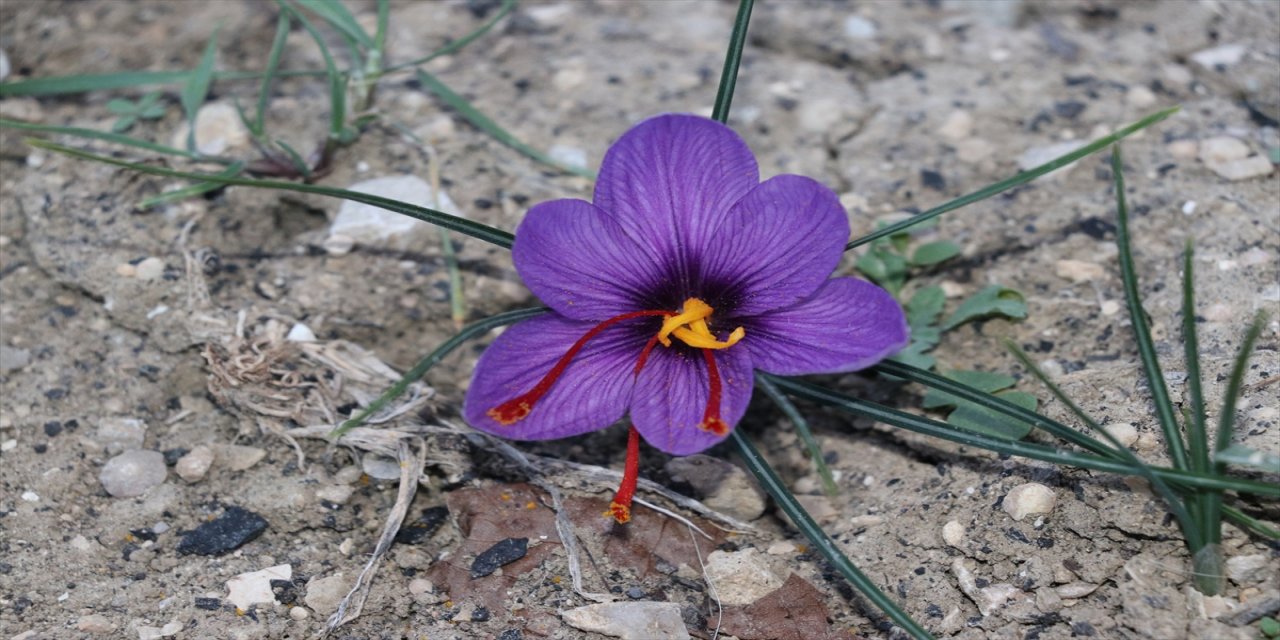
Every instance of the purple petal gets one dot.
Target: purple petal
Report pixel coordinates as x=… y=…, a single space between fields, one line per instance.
x=671 y=180
x=592 y=393
x=579 y=262
x=848 y=324
x=778 y=245
x=671 y=397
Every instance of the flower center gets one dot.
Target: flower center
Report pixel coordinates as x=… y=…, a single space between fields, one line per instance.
x=689 y=326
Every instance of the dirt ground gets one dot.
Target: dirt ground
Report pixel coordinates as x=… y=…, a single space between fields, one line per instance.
x=896 y=106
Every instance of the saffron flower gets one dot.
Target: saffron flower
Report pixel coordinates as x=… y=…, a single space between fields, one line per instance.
x=685 y=275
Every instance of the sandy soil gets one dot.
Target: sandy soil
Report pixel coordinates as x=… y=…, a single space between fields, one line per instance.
x=102 y=354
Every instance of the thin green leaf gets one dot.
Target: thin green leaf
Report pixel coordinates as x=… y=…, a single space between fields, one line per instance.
x=123 y=124
x=995 y=300
x=732 y=59
x=1137 y=317
x=1018 y=180
x=439 y=218
x=926 y=426
x=90 y=82
x=934 y=252
x=981 y=420
x=772 y=484
x=196 y=87
x=915 y=356
x=432 y=359
x=269 y=74
x=483 y=123
x=1227 y=419
x=804 y=432
x=984 y=381
x=1248 y=523
x=336 y=14
x=299 y=163
x=121 y=107
x=191 y=191
x=337 y=81
x=379 y=51
x=94 y=134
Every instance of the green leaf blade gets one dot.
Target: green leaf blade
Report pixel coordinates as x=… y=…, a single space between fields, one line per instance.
x=995 y=300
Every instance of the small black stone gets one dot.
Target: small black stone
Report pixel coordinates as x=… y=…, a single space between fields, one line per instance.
x=52 y=428
x=208 y=604
x=40 y=447
x=498 y=555
x=481 y=614
x=635 y=593
x=55 y=393
x=230 y=531
x=1069 y=109
x=511 y=634
x=286 y=591
x=933 y=180
x=1096 y=227
x=424 y=527
x=171 y=456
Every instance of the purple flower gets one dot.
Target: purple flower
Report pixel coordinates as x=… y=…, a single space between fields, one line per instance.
x=685 y=275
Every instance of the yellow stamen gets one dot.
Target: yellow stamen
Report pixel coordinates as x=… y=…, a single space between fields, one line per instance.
x=690 y=327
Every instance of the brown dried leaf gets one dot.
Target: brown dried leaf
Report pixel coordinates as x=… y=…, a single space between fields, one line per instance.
x=794 y=611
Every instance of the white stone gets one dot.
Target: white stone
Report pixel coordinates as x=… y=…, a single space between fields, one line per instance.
x=859 y=28
x=1079 y=271
x=12 y=359
x=1028 y=499
x=630 y=620
x=1109 y=307
x=1251 y=167
x=1188 y=207
x=782 y=548
x=1036 y=156
x=419 y=586
x=150 y=269
x=30 y=496
x=335 y=493
x=1140 y=97
x=380 y=467
x=1124 y=432
x=1076 y=590
x=1183 y=149
x=1222 y=55
x=953 y=533
x=369 y=225
x=1245 y=570
x=741 y=577
x=339 y=244
x=218 y=130
x=299 y=613
x=82 y=544
x=301 y=333
x=132 y=473
x=5 y=67
x=569 y=78
x=324 y=594
x=193 y=466
x=120 y=434
x=95 y=624
x=254 y=587
x=987 y=598
x=238 y=457
x=548 y=16
x=568 y=155
x=437 y=129
x=1222 y=149
x=957 y=126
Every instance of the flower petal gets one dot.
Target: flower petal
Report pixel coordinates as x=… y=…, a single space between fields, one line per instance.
x=671 y=396
x=848 y=324
x=777 y=246
x=592 y=393
x=670 y=181
x=579 y=262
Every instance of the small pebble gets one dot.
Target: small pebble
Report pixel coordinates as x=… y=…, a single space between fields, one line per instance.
x=957 y=126
x=1236 y=170
x=1188 y=207
x=1249 y=569
x=1075 y=590
x=335 y=493
x=859 y=28
x=500 y=554
x=720 y=484
x=366 y=224
x=1079 y=271
x=953 y=533
x=380 y=467
x=419 y=586
x=1123 y=432
x=254 y=587
x=30 y=496
x=1028 y=499
x=1140 y=97
x=1109 y=307
x=218 y=129
x=121 y=434
x=1036 y=156
x=324 y=594
x=420 y=530
x=95 y=624
x=5 y=66
x=12 y=359
x=301 y=333
x=239 y=457
x=132 y=473
x=565 y=154
x=299 y=613
x=1222 y=55
x=193 y=466
x=741 y=577
x=149 y=269
x=783 y=548
x=228 y=532
x=642 y=620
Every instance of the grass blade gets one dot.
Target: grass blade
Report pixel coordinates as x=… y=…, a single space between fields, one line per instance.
x=336 y=14
x=191 y=191
x=337 y=81
x=1138 y=317
x=196 y=88
x=462 y=225
x=483 y=123
x=768 y=479
x=1018 y=180
x=732 y=58
x=106 y=136
x=926 y=426
x=90 y=82
x=379 y=51
x=269 y=75
x=802 y=429
x=299 y=163
x=1227 y=420
x=507 y=7
x=432 y=359
x=1197 y=434
x=1248 y=523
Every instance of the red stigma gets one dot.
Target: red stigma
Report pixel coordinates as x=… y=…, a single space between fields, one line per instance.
x=711 y=417
x=517 y=408
x=620 y=507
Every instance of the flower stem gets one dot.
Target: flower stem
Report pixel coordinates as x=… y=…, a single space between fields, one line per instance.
x=729 y=75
